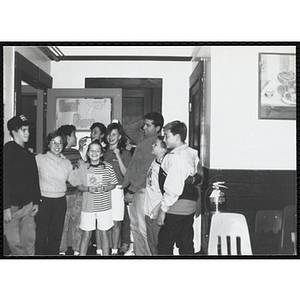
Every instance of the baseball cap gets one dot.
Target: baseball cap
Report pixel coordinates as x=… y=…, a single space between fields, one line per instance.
x=17 y=121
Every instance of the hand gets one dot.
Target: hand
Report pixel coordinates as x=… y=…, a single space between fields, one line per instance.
x=155 y=211
x=161 y=218
x=128 y=198
x=34 y=210
x=82 y=142
x=7 y=215
x=79 y=163
x=128 y=147
x=92 y=189
x=117 y=152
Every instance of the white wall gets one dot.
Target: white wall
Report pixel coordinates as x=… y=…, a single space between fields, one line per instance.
x=32 y=54
x=239 y=140
x=175 y=77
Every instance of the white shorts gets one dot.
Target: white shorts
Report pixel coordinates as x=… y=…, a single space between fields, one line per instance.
x=104 y=220
x=117 y=203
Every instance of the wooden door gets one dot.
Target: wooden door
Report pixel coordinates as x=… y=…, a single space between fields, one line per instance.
x=139 y=97
x=196 y=118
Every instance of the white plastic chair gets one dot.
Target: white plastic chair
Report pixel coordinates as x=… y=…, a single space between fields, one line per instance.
x=229 y=235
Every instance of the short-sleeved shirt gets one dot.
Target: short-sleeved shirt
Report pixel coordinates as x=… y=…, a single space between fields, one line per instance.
x=89 y=175
x=111 y=157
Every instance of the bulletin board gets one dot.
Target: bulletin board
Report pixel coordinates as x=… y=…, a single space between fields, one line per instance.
x=83 y=112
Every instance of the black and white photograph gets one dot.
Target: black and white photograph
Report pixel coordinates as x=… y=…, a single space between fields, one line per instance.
x=149 y=151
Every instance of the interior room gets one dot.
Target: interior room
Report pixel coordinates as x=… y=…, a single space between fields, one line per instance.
x=240 y=117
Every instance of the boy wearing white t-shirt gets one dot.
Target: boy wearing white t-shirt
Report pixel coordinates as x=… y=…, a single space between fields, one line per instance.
x=153 y=194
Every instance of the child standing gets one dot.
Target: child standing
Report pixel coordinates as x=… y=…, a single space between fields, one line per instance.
x=153 y=194
x=176 y=215
x=119 y=158
x=21 y=189
x=73 y=196
x=96 y=179
x=98 y=132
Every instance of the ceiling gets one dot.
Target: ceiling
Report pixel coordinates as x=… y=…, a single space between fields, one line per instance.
x=163 y=53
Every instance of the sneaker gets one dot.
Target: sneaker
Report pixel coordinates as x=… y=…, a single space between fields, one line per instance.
x=129 y=252
x=76 y=253
x=62 y=253
x=124 y=248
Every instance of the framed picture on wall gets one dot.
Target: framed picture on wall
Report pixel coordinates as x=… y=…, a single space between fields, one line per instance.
x=277 y=86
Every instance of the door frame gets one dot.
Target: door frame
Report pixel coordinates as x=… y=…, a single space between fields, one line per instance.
x=196 y=85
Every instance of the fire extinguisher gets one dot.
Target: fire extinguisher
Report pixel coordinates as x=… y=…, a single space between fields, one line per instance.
x=214 y=202
x=217 y=198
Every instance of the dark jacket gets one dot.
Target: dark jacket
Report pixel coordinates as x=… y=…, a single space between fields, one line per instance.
x=21 y=181
x=190 y=191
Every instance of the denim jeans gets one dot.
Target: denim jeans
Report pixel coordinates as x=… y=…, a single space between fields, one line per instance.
x=72 y=221
x=20 y=232
x=138 y=224
x=152 y=234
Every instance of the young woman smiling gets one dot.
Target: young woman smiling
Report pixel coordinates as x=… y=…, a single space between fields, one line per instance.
x=54 y=171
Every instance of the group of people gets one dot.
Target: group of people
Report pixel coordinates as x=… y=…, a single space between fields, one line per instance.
x=101 y=191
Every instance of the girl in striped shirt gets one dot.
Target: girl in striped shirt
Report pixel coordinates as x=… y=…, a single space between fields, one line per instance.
x=96 y=178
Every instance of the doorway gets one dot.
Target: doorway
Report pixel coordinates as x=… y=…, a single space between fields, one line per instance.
x=31 y=84
x=29 y=109
x=139 y=97
x=196 y=112
x=196 y=140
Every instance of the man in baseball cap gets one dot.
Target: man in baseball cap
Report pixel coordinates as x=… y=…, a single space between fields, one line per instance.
x=21 y=189
x=17 y=122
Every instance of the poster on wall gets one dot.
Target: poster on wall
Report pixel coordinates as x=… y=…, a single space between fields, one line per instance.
x=82 y=112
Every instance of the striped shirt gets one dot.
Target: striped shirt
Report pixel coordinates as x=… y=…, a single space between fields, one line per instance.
x=106 y=175
x=96 y=176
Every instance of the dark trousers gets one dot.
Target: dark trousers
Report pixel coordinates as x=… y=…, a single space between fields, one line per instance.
x=125 y=227
x=179 y=229
x=49 y=225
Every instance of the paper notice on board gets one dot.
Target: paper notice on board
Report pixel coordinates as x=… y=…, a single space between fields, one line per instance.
x=82 y=112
